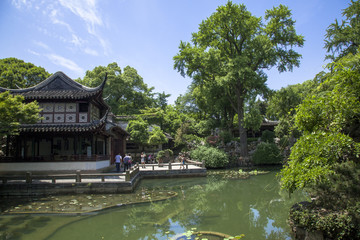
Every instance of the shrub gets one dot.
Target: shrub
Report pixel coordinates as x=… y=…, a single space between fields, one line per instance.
x=226 y=136
x=267 y=136
x=267 y=153
x=164 y=154
x=213 y=157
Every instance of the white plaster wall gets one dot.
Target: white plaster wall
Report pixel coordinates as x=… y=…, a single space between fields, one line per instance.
x=50 y=166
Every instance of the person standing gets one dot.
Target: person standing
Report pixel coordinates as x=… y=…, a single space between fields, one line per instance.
x=143 y=156
x=126 y=162
x=117 y=162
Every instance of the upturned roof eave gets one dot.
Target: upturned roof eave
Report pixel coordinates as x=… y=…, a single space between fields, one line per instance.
x=64 y=77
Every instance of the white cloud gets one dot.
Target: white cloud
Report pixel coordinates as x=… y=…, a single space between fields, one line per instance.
x=41 y=44
x=91 y=52
x=34 y=53
x=77 y=41
x=85 y=9
x=19 y=3
x=54 y=18
x=67 y=63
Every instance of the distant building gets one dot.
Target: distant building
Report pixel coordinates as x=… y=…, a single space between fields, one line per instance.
x=76 y=131
x=135 y=149
x=265 y=125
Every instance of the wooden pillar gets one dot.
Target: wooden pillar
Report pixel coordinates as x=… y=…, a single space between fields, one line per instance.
x=105 y=142
x=78 y=176
x=52 y=145
x=32 y=147
x=95 y=149
x=7 y=145
x=28 y=177
x=75 y=144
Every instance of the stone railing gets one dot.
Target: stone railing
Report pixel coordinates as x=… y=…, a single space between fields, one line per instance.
x=76 y=177
x=171 y=165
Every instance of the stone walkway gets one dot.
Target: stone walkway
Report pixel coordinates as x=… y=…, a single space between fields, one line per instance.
x=111 y=176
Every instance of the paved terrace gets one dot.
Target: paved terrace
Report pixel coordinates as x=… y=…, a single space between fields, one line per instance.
x=96 y=176
x=41 y=183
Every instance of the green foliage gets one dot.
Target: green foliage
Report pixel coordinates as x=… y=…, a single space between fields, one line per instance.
x=161 y=100
x=283 y=102
x=252 y=117
x=229 y=52
x=15 y=73
x=343 y=38
x=204 y=127
x=225 y=136
x=268 y=136
x=340 y=190
x=213 y=157
x=164 y=154
x=267 y=153
x=125 y=92
x=173 y=120
x=313 y=156
x=282 y=106
x=138 y=130
x=286 y=128
x=334 y=225
x=157 y=136
x=14 y=112
x=186 y=136
x=326 y=120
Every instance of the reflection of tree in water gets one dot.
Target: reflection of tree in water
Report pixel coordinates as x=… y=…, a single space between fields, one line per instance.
x=225 y=205
x=255 y=207
x=195 y=202
x=268 y=210
x=249 y=206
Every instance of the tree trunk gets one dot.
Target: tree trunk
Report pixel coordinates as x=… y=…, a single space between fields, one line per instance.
x=242 y=130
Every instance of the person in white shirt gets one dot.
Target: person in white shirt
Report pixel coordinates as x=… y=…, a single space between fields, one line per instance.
x=118 y=162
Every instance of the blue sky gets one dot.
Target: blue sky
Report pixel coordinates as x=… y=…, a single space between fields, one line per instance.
x=74 y=36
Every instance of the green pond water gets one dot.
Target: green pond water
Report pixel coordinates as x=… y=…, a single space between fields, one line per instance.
x=255 y=207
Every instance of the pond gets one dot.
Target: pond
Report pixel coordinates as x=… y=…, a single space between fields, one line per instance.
x=255 y=208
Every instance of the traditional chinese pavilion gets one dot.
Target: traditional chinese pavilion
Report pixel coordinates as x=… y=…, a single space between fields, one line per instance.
x=76 y=131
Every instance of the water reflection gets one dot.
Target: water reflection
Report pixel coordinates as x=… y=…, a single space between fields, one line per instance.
x=255 y=207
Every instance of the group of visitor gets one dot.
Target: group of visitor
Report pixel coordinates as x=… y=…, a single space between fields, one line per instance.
x=146 y=159
x=125 y=162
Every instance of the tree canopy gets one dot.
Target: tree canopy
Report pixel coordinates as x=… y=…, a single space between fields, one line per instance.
x=125 y=91
x=329 y=121
x=232 y=48
x=14 y=112
x=15 y=73
x=343 y=38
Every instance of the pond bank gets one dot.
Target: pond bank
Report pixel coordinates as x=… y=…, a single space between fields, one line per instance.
x=92 y=183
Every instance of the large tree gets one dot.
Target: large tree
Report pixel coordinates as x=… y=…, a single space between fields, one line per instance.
x=125 y=91
x=15 y=73
x=233 y=48
x=344 y=38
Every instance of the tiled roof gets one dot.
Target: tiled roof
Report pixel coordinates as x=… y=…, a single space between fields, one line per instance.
x=57 y=86
x=59 y=94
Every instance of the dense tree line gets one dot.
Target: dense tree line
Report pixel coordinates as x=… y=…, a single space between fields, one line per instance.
x=226 y=59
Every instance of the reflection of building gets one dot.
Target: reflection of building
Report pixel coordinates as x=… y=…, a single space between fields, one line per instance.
x=75 y=133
